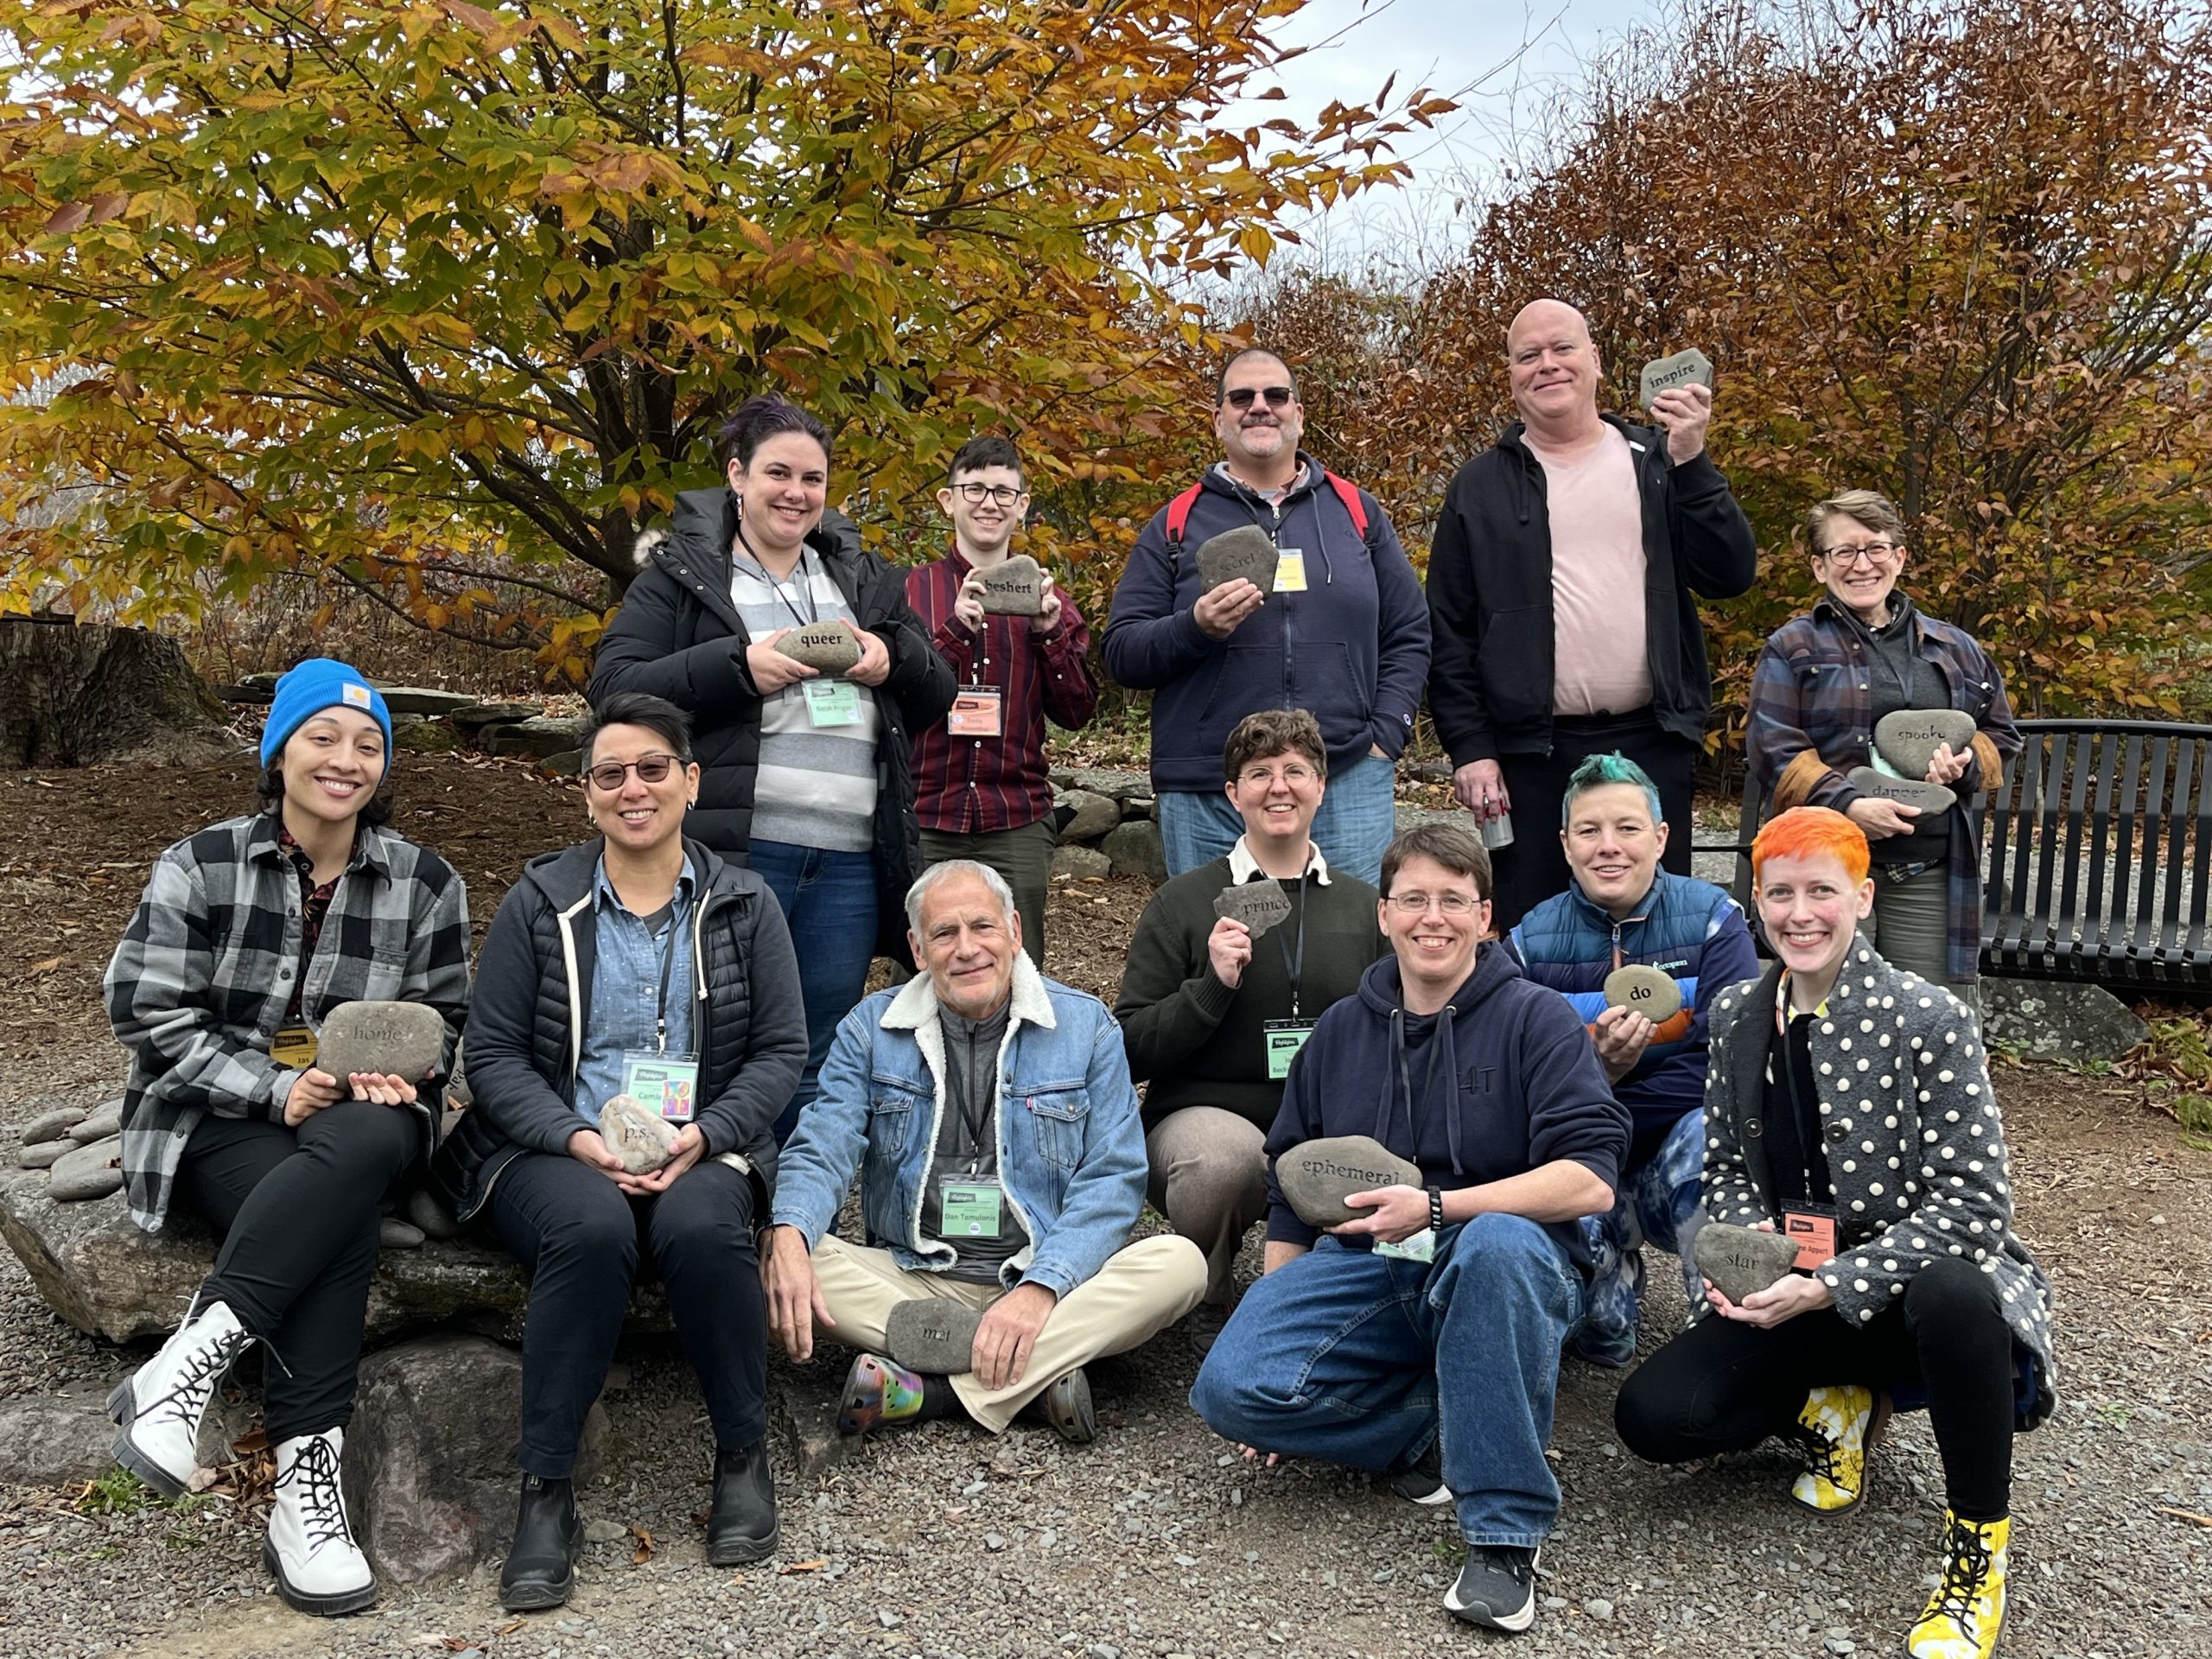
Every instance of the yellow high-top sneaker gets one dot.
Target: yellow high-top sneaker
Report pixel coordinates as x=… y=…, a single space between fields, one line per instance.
x=1966 y=1613
x=1836 y=1428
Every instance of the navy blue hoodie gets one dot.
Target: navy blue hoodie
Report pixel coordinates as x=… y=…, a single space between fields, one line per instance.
x=1504 y=1081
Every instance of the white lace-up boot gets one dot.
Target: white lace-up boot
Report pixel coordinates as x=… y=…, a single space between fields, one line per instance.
x=161 y=1405
x=311 y=1553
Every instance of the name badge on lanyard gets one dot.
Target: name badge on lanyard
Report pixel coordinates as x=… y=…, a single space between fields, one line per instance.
x=1290 y=571
x=1812 y=1229
x=832 y=703
x=669 y=1084
x=1284 y=1038
x=977 y=711
x=295 y=1047
x=970 y=1210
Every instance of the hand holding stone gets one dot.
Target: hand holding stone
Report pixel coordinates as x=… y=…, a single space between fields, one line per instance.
x=639 y=1138
x=1260 y=906
x=1317 y=1177
x=1909 y=738
x=873 y=667
x=1741 y=1262
x=774 y=668
x=1220 y=611
x=1015 y=587
x=398 y=1040
x=1229 y=950
x=831 y=647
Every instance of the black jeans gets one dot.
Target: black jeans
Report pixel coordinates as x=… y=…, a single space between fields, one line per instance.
x=1534 y=868
x=298 y=1211
x=1724 y=1386
x=581 y=1240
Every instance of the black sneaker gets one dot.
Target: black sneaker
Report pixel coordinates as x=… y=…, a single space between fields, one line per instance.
x=1423 y=1484
x=1497 y=1587
x=1203 y=1324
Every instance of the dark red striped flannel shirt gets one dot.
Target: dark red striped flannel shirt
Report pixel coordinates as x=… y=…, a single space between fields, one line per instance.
x=970 y=785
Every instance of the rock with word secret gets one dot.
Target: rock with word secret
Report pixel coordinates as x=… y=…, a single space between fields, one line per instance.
x=1258 y=905
x=830 y=647
x=1246 y=551
x=400 y=1040
x=1015 y=588
x=1316 y=1176
x=1933 y=799
x=1650 y=992
x=636 y=1134
x=1908 y=737
x=1742 y=1260
x=1689 y=368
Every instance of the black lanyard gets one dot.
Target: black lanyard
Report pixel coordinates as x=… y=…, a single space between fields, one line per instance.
x=971 y=1120
x=667 y=969
x=1805 y=1127
x=806 y=581
x=1294 y=965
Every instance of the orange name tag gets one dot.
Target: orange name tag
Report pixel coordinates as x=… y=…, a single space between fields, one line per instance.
x=975 y=712
x=1812 y=1234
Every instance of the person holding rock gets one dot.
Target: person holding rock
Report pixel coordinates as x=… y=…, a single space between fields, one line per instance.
x=980 y=785
x=1339 y=629
x=1420 y=1336
x=1848 y=1106
x=804 y=771
x=249 y=933
x=638 y=1027
x=1623 y=911
x=1822 y=684
x=988 y=1115
x=1562 y=595
x=1213 y=1010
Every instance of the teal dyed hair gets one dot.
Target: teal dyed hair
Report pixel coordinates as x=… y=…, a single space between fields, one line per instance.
x=1600 y=770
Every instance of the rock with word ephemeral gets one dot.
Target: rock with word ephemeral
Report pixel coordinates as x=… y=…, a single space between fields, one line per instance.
x=1908 y=738
x=1742 y=1260
x=1650 y=992
x=1015 y=588
x=636 y=1134
x=1259 y=905
x=400 y=1040
x=1247 y=551
x=829 y=647
x=1316 y=1176
x=1689 y=368
x=934 y=1335
x=1933 y=799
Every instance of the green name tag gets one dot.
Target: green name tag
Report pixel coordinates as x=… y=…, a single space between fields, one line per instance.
x=1421 y=1247
x=832 y=703
x=970 y=1210
x=1284 y=1038
x=667 y=1083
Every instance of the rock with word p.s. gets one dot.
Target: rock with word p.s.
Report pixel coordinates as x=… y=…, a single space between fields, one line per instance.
x=1689 y=368
x=1015 y=588
x=1933 y=799
x=827 y=647
x=1650 y=992
x=636 y=1134
x=1316 y=1176
x=1259 y=905
x=934 y=1335
x=400 y=1040
x=1742 y=1260
x=91 y=1172
x=1908 y=737
x=1247 y=551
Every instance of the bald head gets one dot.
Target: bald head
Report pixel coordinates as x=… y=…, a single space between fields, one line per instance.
x=1546 y=318
x=1553 y=367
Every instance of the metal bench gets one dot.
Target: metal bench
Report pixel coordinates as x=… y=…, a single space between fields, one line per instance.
x=2097 y=850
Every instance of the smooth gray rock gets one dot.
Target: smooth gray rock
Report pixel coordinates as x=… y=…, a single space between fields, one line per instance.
x=536 y=738
x=1741 y=1260
x=1649 y=991
x=1081 y=863
x=1015 y=588
x=2061 y=1020
x=639 y=1136
x=1316 y=1175
x=393 y=1234
x=932 y=1334
x=106 y=1121
x=477 y=714
x=51 y=1439
x=424 y=700
x=1908 y=738
x=1260 y=905
x=52 y=1126
x=45 y=1155
x=1247 y=551
x=429 y=1458
x=1685 y=368
x=830 y=647
x=1094 y=814
x=1135 y=848
x=86 y=1173
x=1933 y=799
x=404 y=1039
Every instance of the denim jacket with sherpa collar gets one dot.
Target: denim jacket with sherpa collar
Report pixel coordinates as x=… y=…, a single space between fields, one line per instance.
x=1071 y=1144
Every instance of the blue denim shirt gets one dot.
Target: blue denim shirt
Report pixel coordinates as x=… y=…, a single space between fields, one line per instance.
x=626 y=988
x=1072 y=1156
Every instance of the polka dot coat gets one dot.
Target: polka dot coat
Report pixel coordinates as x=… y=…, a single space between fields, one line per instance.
x=1915 y=1143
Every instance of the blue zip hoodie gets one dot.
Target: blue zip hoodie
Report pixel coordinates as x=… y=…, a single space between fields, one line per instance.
x=1353 y=648
x=1504 y=1081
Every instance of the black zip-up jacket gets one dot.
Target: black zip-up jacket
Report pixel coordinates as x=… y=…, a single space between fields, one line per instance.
x=1491 y=630
x=678 y=636
x=526 y=1026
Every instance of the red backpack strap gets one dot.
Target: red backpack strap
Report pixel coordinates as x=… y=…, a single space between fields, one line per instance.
x=1348 y=493
x=1178 y=514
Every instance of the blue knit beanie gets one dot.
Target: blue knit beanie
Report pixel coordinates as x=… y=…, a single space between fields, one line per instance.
x=318 y=683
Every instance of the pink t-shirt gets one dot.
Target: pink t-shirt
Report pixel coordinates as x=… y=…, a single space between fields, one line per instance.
x=1600 y=663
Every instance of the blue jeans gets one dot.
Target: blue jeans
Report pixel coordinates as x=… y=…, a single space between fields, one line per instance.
x=1353 y=829
x=829 y=899
x=1656 y=1202
x=1368 y=1361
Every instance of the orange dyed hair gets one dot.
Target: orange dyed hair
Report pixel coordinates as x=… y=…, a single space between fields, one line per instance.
x=1808 y=832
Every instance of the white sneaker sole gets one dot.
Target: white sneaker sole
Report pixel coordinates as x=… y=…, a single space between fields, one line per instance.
x=1515 y=1621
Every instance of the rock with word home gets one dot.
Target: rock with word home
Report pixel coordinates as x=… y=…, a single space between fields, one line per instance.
x=1259 y=905
x=636 y=1134
x=828 y=648
x=1015 y=588
x=398 y=1040
x=1316 y=1176
x=934 y=1335
x=1689 y=368
x=1650 y=992
x=1742 y=1260
x=1932 y=799
x=1908 y=737
x=1247 y=551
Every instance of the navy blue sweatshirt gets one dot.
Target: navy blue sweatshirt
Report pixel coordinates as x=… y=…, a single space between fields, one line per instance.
x=1504 y=1081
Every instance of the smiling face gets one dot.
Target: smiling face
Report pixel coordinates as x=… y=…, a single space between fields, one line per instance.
x=1811 y=908
x=1278 y=796
x=783 y=488
x=1613 y=846
x=636 y=816
x=1435 y=943
x=1859 y=566
x=1553 y=365
x=332 y=766
x=989 y=524
x=1261 y=435
x=967 y=943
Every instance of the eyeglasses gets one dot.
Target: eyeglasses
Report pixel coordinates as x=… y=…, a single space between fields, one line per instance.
x=1293 y=774
x=1242 y=397
x=649 y=768
x=1004 y=495
x=1449 y=904
x=1866 y=553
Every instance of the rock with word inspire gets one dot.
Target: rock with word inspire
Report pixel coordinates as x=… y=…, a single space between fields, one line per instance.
x=1933 y=799
x=1258 y=905
x=1015 y=588
x=1650 y=992
x=1689 y=368
x=1908 y=737
x=934 y=1335
x=827 y=647
x=1316 y=1176
x=1741 y=1260
x=398 y=1040
x=1247 y=551
x=636 y=1134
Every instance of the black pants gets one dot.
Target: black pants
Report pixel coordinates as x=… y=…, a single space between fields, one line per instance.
x=581 y=1240
x=298 y=1211
x=1534 y=868
x=1724 y=1386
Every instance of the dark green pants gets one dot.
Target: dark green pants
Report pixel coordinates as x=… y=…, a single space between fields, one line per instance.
x=1023 y=856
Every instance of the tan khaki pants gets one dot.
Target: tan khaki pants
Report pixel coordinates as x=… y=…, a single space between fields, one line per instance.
x=1210 y=1178
x=1142 y=1289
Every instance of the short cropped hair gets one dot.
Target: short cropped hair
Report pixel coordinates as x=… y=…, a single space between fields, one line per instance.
x=657 y=715
x=1869 y=507
x=952 y=867
x=989 y=450
x=1457 y=847
x=1600 y=770
x=1809 y=832
x=1221 y=380
x=758 y=419
x=1273 y=731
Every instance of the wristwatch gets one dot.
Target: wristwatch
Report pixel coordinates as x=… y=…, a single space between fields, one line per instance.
x=1436 y=1209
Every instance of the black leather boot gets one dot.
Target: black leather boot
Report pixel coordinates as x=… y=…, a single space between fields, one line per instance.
x=742 y=1526
x=541 y=1563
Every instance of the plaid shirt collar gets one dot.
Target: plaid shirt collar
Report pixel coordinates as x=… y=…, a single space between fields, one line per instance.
x=266 y=843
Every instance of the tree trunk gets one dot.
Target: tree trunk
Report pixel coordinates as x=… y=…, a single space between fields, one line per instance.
x=73 y=694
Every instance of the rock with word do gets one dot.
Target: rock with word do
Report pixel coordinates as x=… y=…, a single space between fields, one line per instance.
x=1650 y=992
x=1317 y=1176
x=1741 y=1260
x=827 y=647
x=1247 y=551
x=636 y=1134
x=1015 y=588
x=1907 y=740
x=1932 y=799
x=1258 y=905
x=400 y=1040
x=1689 y=368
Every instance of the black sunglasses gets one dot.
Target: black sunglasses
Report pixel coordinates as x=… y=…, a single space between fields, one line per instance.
x=650 y=769
x=1241 y=397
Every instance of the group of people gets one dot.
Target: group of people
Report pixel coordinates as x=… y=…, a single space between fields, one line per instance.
x=765 y=830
